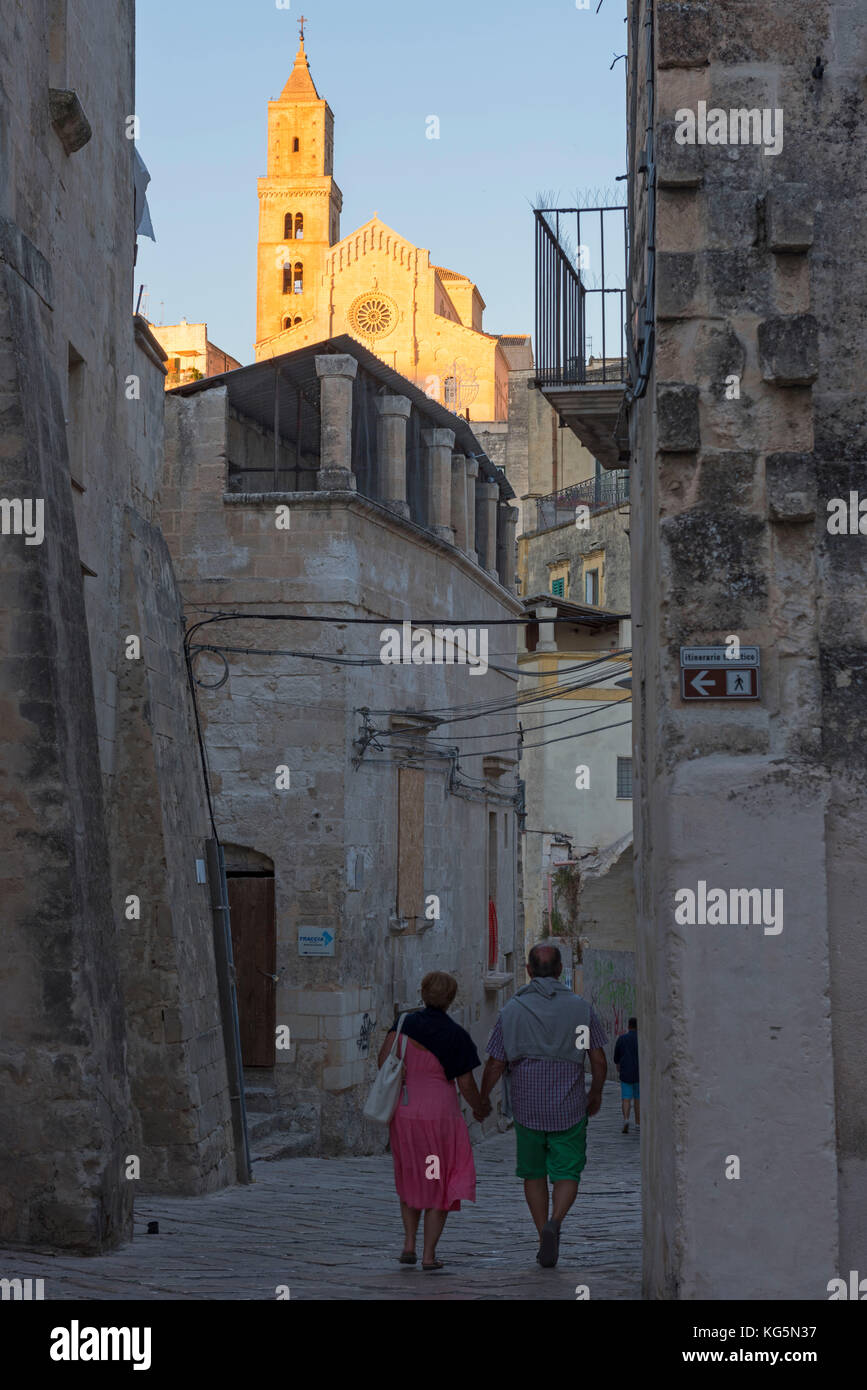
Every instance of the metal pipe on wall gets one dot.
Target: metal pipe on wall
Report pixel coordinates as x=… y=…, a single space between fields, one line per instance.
x=225 y=965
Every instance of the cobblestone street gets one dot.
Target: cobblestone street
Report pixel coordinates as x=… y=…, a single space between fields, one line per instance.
x=330 y=1229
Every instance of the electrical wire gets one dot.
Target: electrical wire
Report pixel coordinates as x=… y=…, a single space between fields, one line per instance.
x=478 y=710
x=584 y=733
x=221 y=615
x=469 y=710
x=585 y=714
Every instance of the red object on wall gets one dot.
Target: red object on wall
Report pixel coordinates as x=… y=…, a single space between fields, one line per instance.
x=493 y=936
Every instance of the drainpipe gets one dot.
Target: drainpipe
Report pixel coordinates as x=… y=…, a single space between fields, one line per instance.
x=228 y=1003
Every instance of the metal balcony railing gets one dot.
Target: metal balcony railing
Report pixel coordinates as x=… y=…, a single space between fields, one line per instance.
x=578 y=309
x=599 y=494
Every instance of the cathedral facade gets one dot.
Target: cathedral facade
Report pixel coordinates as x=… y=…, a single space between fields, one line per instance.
x=421 y=319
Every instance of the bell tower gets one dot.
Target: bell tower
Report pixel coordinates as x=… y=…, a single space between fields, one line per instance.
x=299 y=209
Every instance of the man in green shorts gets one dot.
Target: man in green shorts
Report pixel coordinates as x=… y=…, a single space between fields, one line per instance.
x=539 y=1040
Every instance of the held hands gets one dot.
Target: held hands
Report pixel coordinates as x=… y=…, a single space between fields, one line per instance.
x=482 y=1111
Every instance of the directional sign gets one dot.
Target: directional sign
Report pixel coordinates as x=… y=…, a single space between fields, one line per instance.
x=315 y=941
x=716 y=656
x=736 y=682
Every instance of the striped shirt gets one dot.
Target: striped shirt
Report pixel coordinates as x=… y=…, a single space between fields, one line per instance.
x=546 y=1093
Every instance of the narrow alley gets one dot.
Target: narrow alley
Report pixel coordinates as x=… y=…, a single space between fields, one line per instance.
x=330 y=1229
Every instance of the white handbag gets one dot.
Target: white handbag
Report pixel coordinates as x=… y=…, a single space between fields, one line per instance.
x=385 y=1091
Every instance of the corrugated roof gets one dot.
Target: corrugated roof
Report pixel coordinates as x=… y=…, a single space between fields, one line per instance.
x=575 y=612
x=251 y=391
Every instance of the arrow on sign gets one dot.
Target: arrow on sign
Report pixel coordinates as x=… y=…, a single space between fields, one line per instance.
x=699 y=681
x=327 y=938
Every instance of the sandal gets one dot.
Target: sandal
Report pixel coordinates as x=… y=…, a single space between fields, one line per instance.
x=408 y=1257
x=437 y=1264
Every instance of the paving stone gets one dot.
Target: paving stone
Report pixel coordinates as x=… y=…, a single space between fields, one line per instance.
x=330 y=1229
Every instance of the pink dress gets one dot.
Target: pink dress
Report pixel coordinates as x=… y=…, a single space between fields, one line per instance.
x=431 y=1127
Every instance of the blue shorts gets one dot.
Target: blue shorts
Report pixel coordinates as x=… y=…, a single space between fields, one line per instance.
x=629 y=1090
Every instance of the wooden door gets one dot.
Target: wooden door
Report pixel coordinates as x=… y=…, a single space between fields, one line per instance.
x=410 y=843
x=254 y=946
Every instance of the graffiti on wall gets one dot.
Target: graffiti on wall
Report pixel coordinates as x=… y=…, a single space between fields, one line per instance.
x=609 y=985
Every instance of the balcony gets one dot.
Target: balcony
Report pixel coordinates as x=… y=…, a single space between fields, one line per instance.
x=597 y=494
x=581 y=356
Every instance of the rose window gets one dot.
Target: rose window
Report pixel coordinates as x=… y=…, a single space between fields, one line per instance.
x=373 y=315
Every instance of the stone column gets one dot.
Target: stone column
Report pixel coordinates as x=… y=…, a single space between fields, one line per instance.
x=507 y=520
x=547 y=640
x=392 y=414
x=336 y=373
x=489 y=494
x=459 y=499
x=439 y=445
x=472 y=475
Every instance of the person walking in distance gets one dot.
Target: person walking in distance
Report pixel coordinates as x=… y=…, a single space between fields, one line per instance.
x=539 y=1042
x=626 y=1062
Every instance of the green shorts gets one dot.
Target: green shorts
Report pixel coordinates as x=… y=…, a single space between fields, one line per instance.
x=556 y=1154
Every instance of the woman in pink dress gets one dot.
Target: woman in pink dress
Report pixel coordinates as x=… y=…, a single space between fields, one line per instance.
x=433 y=1160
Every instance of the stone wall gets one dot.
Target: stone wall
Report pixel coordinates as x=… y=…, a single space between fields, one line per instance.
x=64 y=1102
x=755 y=290
x=538 y=456
x=63 y=1088
x=108 y=791
x=333 y=833
x=606 y=532
x=608 y=982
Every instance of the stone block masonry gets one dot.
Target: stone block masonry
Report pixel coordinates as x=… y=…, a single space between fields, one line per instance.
x=753 y=417
x=178 y=1074
x=346 y=864
x=64 y=1098
x=110 y=1047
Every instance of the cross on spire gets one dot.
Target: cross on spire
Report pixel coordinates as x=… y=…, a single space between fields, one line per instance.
x=302 y=21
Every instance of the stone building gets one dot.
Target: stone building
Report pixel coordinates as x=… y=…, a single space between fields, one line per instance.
x=573 y=560
x=112 y=1044
x=314 y=504
x=746 y=423
x=190 y=354
x=538 y=454
x=423 y=320
x=575 y=713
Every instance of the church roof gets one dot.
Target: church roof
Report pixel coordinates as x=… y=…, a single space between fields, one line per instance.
x=450 y=274
x=300 y=83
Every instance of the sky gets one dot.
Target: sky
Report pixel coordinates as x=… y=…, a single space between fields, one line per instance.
x=527 y=105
